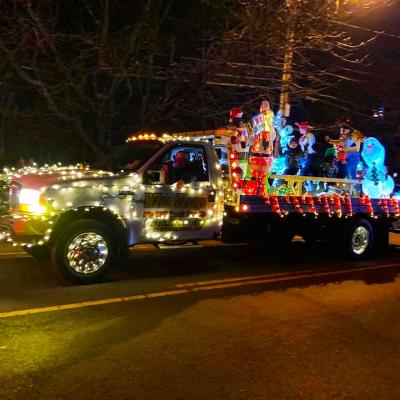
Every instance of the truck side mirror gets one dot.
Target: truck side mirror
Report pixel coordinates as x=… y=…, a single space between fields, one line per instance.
x=155 y=176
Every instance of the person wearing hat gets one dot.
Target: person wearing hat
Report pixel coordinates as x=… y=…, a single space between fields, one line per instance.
x=240 y=141
x=292 y=154
x=350 y=145
x=235 y=116
x=306 y=142
x=182 y=171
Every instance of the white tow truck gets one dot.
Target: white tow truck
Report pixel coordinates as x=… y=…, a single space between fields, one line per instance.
x=88 y=219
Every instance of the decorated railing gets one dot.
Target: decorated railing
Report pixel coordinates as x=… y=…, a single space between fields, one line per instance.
x=295 y=184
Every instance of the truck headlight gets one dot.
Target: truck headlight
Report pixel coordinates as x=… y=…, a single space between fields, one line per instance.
x=32 y=201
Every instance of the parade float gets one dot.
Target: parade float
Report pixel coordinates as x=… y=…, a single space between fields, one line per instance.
x=88 y=219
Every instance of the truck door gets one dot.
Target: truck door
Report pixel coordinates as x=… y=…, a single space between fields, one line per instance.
x=180 y=197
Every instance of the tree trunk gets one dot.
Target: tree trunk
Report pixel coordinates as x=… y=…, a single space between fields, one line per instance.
x=83 y=135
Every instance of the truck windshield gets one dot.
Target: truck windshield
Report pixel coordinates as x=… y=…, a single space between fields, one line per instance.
x=131 y=156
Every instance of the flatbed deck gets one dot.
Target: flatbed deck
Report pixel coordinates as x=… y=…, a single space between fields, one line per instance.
x=323 y=204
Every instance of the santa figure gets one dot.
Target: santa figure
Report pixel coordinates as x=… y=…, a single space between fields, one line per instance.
x=239 y=140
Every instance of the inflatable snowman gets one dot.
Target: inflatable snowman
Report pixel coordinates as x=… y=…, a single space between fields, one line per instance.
x=376 y=182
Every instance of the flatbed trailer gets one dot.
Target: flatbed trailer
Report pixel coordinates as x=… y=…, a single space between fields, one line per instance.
x=356 y=226
x=330 y=205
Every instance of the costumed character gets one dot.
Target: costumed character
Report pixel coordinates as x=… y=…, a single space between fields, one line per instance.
x=262 y=149
x=238 y=143
x=328 y=152
x=339 y=169
x=306 y=142
x=269 y=133
x=376 y=182
x=291 y=157
x=284 y=132
x=350 y=145
x=239 y=140
x=341 y=163
x=256 y=162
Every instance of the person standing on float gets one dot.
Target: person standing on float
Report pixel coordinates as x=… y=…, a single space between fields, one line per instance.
x=269 y=134
x=306 y=142
x=239 y=141
x=262 y=151
x=284 y=134
x=351 y=145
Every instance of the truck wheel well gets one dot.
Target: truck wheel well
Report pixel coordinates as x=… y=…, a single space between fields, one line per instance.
x=97 y=213
x=380 y=220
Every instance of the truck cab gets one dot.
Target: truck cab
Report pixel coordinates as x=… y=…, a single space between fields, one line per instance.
x=88 y=219
x=179 y=203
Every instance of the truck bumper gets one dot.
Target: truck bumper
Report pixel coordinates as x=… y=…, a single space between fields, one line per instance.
x=21 y=229
x=5 y=232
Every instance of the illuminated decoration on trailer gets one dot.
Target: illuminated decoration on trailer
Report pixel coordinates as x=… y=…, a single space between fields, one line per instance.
x=376 y=181
x=190 y=135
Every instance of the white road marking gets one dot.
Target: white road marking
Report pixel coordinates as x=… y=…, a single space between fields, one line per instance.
x=13 y=254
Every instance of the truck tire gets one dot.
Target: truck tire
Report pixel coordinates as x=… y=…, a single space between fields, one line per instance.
x=86 y=251
x=359 y=240
x=38 y=251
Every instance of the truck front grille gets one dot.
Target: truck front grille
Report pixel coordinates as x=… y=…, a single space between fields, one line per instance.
x=13 y=191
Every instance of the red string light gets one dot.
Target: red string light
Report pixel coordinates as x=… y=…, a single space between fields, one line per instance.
x=348 y=205
x=275 y=204
x=394 y=203
x=325 y=204
x=370 y=209
x=309 y=199
x=337 y=204
x=384 y=202
x=296 y=203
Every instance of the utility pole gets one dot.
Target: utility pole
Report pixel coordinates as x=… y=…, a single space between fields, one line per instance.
x=287 y=69
x=287 y=72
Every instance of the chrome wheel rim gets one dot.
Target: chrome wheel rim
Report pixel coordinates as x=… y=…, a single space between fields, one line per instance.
x=360 y=240
x=87 y=253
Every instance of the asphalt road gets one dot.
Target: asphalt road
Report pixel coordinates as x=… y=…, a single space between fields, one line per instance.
x=235 y=322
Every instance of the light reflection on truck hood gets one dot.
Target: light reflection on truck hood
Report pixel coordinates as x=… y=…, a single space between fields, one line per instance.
x=38 y=180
